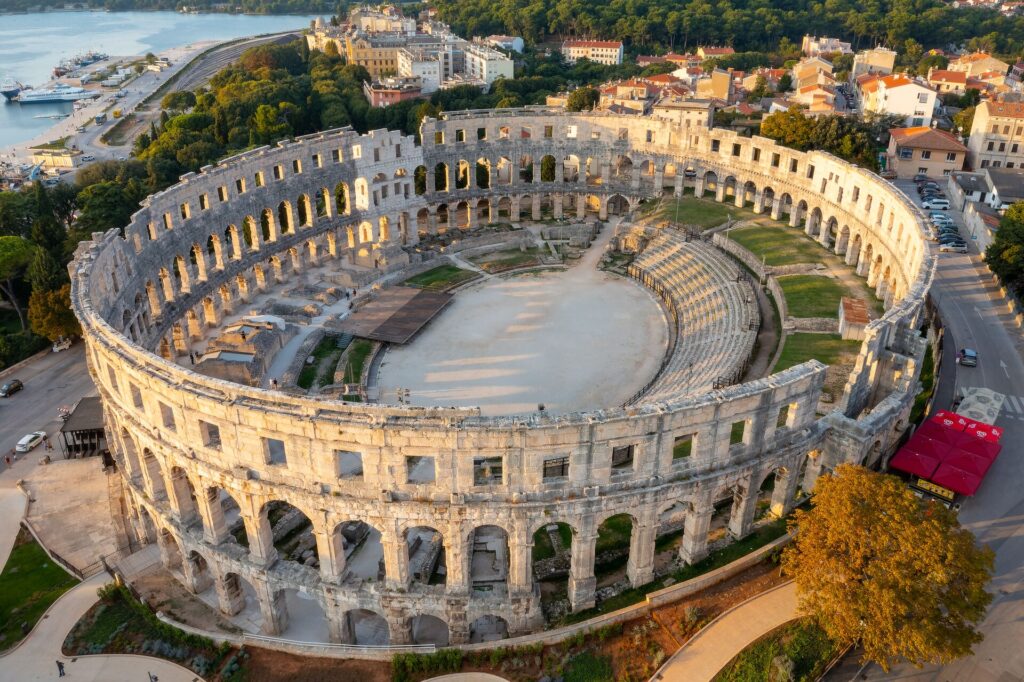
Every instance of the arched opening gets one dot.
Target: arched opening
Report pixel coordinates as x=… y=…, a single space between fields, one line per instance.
x=341 y=202
x=323 y=203
x=358 y=551
x=441 y=177
x=622 y=168
x=238 y=598
x=551 y=564
x=526 y=168
x=488 y=629
x=305 y=212
x=489 y=561
x=749 y=193
x=710 y=183
x=442 y=217
x=671 y=525
x=427 y=561
x=419 y=179
x=723 y=510
x=292 y=533
x=199 y=578
x=462 y=177
x=226 y=507
x=147 y=533
x=184 y=496
x=463 y=215
x=570 y=169
x=611 y=550
x=547 y=168
x=428 y=630
x=504 y=174
x=483 y=173
x=525 y=208
x=504 y=207
x=131 y=457
x=249 y=233
x=268 y=227
x=367 y=628
x=618 y=205
x=647 y=170
x=154 y=475
x=305 y=617
x=170 y=550
x=284 y=217
x=423 y=222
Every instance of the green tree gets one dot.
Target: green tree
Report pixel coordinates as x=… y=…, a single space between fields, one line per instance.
x=50 y=314
x=582 y=99
x=15 y=255
x=911 y=586
x=964 y=120
x=789 y=127
x=1005 y=255
x=547 y=169
x=44 y=272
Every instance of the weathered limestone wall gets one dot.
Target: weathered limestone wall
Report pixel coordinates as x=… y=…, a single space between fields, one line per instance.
x=183 y=441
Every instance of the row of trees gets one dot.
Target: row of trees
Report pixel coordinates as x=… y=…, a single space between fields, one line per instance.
x=854 y=140
x=744 y=24
x=1005 y=255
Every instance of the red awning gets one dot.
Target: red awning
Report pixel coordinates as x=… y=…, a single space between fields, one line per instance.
x=988 y=432
x=957 y=480
x=939 y=432
x=926 y=446
x=950 y=419
x=914 y=463
x=979 y=446
x=968 y=461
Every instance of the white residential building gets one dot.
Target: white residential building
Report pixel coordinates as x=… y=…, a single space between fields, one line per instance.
x=509 y=43
x=382 y=20
x=486 y=64
x=600 y=51
x=897 y=94
x=427 y=65
x=879 y=60
x=813 y=46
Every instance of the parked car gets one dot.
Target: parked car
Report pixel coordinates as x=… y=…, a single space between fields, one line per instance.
x=61 y=344
x=941 y=204
x=88 y=157
x=919 y=178
x=10 y=388
x=30 y=441
x=953 y=247
x=967 y=357
x=927 y=185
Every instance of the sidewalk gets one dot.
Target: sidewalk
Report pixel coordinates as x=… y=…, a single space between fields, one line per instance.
x=701 y=658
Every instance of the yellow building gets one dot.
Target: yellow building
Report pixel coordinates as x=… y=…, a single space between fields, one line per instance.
x=924 y=151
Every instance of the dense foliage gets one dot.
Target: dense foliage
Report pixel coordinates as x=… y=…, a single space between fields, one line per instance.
x=1005 y=255
x=854 y=140
x=912 y=588
x=743 y=24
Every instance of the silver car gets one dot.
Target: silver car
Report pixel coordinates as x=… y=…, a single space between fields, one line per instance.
x=30 y=441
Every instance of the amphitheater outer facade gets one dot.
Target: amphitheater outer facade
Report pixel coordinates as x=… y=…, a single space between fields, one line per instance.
x=203 y=246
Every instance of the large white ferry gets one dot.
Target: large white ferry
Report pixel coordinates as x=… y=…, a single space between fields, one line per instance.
x=58 y=93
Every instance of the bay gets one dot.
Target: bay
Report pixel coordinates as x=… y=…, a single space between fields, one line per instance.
x=32 y=44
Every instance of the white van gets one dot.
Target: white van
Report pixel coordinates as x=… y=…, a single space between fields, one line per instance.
x=940 y=204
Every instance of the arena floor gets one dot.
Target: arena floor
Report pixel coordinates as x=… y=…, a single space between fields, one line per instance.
x=574 y=340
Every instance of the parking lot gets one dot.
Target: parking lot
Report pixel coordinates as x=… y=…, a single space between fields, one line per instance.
x=910 y=189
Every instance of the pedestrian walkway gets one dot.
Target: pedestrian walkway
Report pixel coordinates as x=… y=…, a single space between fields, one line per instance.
x=701 y=658
x=12 y=510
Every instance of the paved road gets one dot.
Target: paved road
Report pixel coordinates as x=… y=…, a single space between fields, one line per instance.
x=974 y=314
x=55 y=379
x=707 y=652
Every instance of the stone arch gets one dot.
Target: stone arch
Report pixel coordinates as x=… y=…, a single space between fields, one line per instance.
x=365 y=233
x=551 y=559
x=463 y=177
x=131 y=457
x=291 y=533
x=367 y=628
x=384 y=228
x=153 y=472
x=323 y=203
x=427 y=629
x=184 y=496
x=748 y=193
x=419 y=180
x=235 y=593
x=181 y=275
x=489 y=628
x=526 y=170
x=504 y=171
x=482 y=171
x=622 y=168
x=305 y=211
x=425 y=551
x=170 y=550
x=463 y=218
x=441 y=177
x=830 y=233
x=617 y=205
x=504 y=205
x=358 y=551
x=548 y=168
x=250 y=233
x=710 y=182
x=813 y=227
x=423 y=221
x=198 y=577
x=612 y=546
x=443 y=219
x=301 y=616
x=647 y=169
x=341 y=199
x=489 y=559
x=225 y=522
x=285 y=217
x=570 y=168
x=268 y=225
x=362 y=198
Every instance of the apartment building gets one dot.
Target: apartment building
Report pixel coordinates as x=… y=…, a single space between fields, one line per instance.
x=924 y=151
x=897 y=94
x=689 y=113
x=997 y=136
x=945 y=81
x=977 y=63
x=812 y=46
x=601 y=51
x=381 y=20
x=879 y=60
x=485 y=64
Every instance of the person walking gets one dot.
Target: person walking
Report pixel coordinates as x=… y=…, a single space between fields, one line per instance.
x=7 y=458
x=60 y=669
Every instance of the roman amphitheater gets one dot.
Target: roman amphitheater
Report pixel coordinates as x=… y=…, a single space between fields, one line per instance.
x=411 y=514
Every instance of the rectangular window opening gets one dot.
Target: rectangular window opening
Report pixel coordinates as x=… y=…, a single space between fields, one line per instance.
x=210 y=433
x=349 y=464
x=682 y=446
x=419 y=469
x=488 y=471
x=622 y=458
x=167 y=417
x=274 y=451
x=556 y=468
x=737 y=432
x=136 y=396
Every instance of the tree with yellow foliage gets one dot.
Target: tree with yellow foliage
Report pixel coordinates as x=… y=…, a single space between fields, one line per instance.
x=876 y=565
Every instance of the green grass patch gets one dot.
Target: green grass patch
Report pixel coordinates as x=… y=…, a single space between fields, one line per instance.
x=692 y=211
x=812 y=295
x=802 y=642
x=439 y=278
x=588 y=667
x=736 y=432
x=507 y=260
x=9 y=323
x=325 y=352
x=827 y=348
x=357 y=354
x=780 y=245
x=683 y=447
x=61 y=143
x=927 y=387
x=542 y=547
x=31 y=581
x=614 y=533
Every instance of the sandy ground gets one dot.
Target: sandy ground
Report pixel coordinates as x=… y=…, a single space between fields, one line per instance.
x=575 y=340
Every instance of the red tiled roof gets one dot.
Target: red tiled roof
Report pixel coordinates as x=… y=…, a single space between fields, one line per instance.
x=945 y=76
x=923 y=137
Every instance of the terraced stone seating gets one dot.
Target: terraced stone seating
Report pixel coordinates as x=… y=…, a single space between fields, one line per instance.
x=715 y=310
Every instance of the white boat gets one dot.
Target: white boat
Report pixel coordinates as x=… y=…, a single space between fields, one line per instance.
x=58 y=93
x=10 y=88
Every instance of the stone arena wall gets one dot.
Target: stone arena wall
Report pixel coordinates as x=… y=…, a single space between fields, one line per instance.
x=203 y=247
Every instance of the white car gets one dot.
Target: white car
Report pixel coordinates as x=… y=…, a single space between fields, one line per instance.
x=940 y=204
x=954 y=247
x=30 y=441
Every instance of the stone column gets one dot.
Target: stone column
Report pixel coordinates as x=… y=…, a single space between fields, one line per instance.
x=602 y=212
x=458 y=623
x=558 y=208
x=535 y=213
x=659 y=180
x=399 y=627
x=331 y=551
x=640 y=567
x=694 y=545
x=492 y=211
x=170 y=555
x=456 y=560
x=776 y=212
x=396 y=560
x=582 y=582
x=740 y=197
x=230 y=596
x=794 y=216
x=719 y=191
x=261 y=539
x=428 y=182
x=197 y=579
x=758 y=202
x=559 y=171
x=520 y=555
x=215 y=527
x=181 y=498
x=741 y=518
x=784 y=494
x=811 y=474
x=338 y=626
x=581 y=206
x=272 y=607
x=678 y=187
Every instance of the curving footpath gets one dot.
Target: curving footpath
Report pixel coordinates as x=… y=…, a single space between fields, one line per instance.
x=35 y=658
x=707 y=652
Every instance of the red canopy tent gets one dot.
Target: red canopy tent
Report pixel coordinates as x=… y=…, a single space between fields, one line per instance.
x=926 y=446
x=992 y=434
x=968 y=461
x=955 y=479
x=914 y=463
x=950 y=419
x=939 y=432
x=979 y=446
